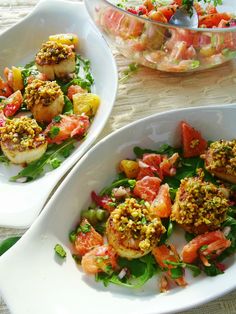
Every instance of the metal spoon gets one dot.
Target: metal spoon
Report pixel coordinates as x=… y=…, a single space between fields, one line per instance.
x=183 y=18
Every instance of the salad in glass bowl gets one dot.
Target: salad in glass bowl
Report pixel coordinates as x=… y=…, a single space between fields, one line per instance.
x=141 y=32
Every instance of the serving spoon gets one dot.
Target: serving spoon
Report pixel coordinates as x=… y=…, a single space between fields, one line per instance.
x=183 y=18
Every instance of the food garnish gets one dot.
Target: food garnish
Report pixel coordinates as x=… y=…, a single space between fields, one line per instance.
x=153 y=196
x=56 y=90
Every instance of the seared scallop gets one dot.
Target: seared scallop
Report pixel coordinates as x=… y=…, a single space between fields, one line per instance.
x=131 y=230
x=55 y=60
x=199 y=206
x=220 y=160
x=22 y=140
x=44 y=99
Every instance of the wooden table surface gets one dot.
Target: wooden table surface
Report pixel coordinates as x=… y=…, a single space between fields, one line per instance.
x=159 y=92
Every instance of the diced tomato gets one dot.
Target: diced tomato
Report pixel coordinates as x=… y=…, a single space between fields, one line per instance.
x=214 y=19
x=132 y=10
x=216 y=239
x=168 y=11
x=68 y=126
x=149 y=5
x=147 y=188
x=12 y=104
x=198 y=8
x=164 y=253
x=157 y=16
x=5 y=89
x=75 y=89
x=193 y=142
x=211 y=9
x=85 y=241
x=161 y=205
x=102 y=201
x=142 y=10
x=100 y=259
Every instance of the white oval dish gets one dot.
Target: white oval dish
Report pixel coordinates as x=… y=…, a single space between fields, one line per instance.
x=21 y=203
x=53 y=287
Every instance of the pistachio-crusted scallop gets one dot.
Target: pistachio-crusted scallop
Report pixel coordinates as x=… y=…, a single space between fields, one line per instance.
x=55 y=60
x=220 y=160
x=199 y=206
x=132 y=231
x=22 y=140
x=44 y=99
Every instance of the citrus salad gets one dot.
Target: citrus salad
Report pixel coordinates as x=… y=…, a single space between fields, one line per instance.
x=126 y=235
x=46 y=107
x=133 y=29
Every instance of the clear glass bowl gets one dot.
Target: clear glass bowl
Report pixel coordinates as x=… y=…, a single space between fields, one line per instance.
x=163 y=46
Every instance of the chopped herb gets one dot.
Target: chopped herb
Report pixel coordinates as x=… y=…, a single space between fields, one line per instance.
x=176 y=272
x=212 y=270
x=57 y=119
x=123 y=182
x=54 y=131
x=52 y=157
x=72 y=236
x=68 y=106
x=84 y=228
x=59 y=250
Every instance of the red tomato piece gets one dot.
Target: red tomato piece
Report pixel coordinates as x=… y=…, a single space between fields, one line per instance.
x=214 y=19
x=5 y=89
x=68 y=126
x=99 y=259
x=216 y=239
x=164 y=253
x=193 y=142
x=74 y=89
x=102 y=201
x=12 y=104
x=86 y=241
x=168 y=11
x=147 y=188
x=161 y=205
x=157 y=16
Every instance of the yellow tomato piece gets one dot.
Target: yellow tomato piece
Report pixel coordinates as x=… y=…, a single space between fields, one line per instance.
x=130 y=168
x=87 y=103
x=17 y=80
x=207 y=51
x=66 y=39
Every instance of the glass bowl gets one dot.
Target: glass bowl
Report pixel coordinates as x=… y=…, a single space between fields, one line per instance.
x=163 y=46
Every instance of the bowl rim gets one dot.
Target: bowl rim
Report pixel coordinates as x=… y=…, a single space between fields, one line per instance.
x=167 y=25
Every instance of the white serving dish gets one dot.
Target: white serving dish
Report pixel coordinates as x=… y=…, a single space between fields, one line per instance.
x=21 y=203
x=34 y=280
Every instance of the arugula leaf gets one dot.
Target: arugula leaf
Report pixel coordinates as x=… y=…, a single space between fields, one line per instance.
x=123 y=182
x=169 y=225
x=82 y=76
x=3 y=158
x=68 y=106
x=229 y=222
x=139 y=272
x=7 y=244
x=52 y=157
x=195 y=269
x=212 y=270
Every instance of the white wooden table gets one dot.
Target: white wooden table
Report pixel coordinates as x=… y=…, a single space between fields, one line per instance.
x=143 y=94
